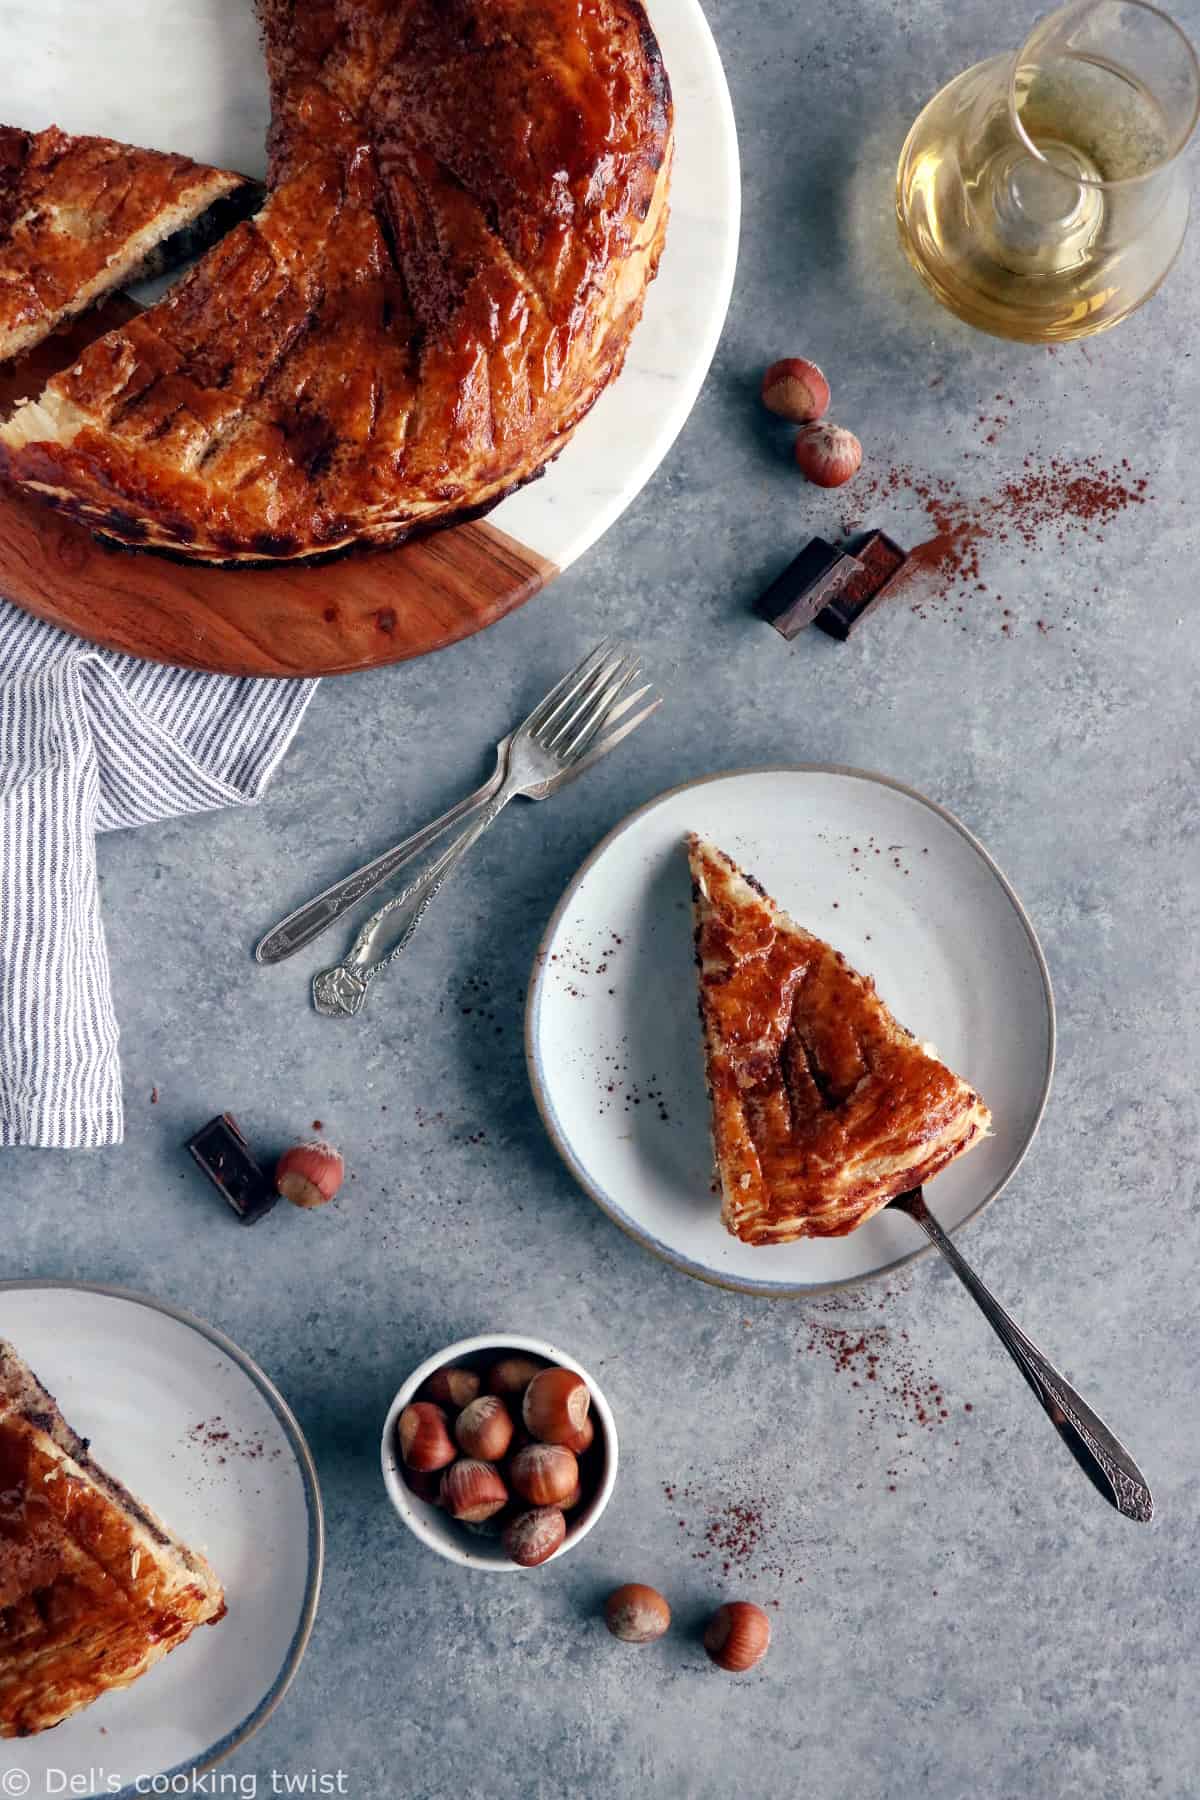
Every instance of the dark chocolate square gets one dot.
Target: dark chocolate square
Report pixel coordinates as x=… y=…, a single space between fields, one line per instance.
x=880 y=563
x=809 y=582
x=222 y=1152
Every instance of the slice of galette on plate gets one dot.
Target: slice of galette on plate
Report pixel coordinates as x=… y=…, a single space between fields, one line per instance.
x=823 y=1106
x=94 y=1589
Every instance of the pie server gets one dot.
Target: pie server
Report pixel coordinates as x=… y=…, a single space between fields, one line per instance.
x=1099 y=1453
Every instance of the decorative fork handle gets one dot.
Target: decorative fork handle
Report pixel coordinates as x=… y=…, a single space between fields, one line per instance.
x=317 y=915
x=340 y=992
x=1101 y=1455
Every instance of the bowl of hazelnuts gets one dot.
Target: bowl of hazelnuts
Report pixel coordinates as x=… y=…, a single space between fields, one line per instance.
x=500 y=1452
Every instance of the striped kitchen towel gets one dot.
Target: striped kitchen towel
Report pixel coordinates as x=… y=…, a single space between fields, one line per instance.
x=89 y=741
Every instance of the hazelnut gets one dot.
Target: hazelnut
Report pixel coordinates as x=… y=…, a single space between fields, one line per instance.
x=511 y=1375
x=544 y=1474
x=533 y=1537
x=795 y=389
x=573 y=1498
x=737 y=1636
x=452 y=1387
x=484 y=1428
x=582 y=1440
x=425 y=1441
x=827 y=454
x=636 y=1614
x=473 y=1491
x=309 y=1174
x=556 y=1404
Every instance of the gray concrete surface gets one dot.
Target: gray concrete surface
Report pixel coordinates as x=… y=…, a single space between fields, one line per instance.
x=958 y=1614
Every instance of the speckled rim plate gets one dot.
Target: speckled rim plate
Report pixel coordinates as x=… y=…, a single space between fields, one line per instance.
x=888 y=876
x=131 y=1371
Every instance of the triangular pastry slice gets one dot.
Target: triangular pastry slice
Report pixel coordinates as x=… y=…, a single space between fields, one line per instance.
x=82 y=216
x=823 y=1107
x=94 y=1589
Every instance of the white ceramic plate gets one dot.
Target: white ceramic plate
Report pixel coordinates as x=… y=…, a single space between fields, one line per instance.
x=893 y=881
x=188 y=75
x=155 y=1391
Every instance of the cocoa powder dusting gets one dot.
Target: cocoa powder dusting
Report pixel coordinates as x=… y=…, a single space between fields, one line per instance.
x=731 y=1533
x=747 y=1529
x=901 y=1401
x=881 y=1362
x=1049 y=502
x=217 y=1443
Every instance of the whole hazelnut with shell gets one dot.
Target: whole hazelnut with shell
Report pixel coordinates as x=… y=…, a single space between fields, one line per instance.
x=533 y=1537
x=636 y=1614
x=556 y=1405
x=452 y=1387
x=738 y=1636
x=309 y=1174
x=511 y=1375
x=544 y=1474
x=484 y=1428
x=795 y=389
x=425 y=1441
x=472 y=1491
x=828 y=454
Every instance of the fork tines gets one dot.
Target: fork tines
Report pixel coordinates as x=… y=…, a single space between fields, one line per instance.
x=573 y=721
x=572 y=684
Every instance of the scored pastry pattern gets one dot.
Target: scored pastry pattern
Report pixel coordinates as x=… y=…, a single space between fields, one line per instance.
x=823 y=1107
x=467 y=199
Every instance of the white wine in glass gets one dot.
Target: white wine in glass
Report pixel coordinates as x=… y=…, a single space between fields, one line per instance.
x=1043 y=196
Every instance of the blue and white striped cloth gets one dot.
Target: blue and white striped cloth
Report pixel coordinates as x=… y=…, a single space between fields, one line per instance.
x=91 y=741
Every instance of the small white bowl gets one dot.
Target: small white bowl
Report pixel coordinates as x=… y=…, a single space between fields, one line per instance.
x=450 y=1539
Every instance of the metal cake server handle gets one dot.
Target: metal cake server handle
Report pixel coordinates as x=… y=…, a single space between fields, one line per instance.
x=316 y=915
x=1098 y=1451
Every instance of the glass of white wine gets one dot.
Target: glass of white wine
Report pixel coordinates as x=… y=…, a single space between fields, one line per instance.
x=1043 y=196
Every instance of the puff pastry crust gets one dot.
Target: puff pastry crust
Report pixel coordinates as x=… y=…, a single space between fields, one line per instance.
x=94 y=1589
x=467 y=200
x=823 y=1107
x=81 y=216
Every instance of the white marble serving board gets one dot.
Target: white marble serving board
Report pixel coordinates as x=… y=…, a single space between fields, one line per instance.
x=188 y=75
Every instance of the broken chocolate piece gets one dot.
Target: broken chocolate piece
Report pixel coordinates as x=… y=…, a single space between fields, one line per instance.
x=819 y=574
x=880 y=561
x=223 y=1153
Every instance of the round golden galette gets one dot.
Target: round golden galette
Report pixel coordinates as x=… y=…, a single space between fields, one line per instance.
x=466 y=201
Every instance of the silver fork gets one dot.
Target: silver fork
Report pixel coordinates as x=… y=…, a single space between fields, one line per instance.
x=582 y=718
x=307 y=922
